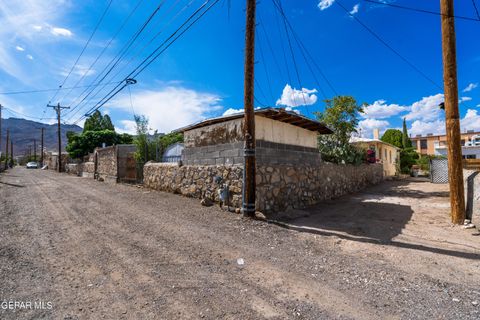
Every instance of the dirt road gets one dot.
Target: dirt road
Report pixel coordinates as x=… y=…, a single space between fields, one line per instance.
x=99 y=251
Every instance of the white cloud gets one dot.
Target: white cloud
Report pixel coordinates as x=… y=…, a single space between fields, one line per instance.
x=29 y=57
x=470 y=87
x=365 y=127
x=463 y=99
x=426 y=109
x=471 y=121
x=380 y=110
x=79 y=70
x=170 y=107
x=425 y=127
x=232 y=111
x=325 y=4
x=294 y=98
x=18 y=48
x=56 y=31
x=355 y=9
x=128 y=126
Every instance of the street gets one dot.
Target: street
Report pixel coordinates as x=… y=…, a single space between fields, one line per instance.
x=112 y=251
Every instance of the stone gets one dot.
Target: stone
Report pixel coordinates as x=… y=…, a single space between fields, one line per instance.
x=260 y=216
x=206 y=202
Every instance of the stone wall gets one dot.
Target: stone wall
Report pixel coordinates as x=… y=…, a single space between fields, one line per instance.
x=106 y=164
x=472 y=195
x=279 y=186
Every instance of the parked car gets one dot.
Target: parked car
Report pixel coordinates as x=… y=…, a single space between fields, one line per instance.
x=32 y=165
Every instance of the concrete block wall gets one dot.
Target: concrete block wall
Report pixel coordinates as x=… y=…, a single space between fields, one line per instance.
x=471 y=179
x=266 y=152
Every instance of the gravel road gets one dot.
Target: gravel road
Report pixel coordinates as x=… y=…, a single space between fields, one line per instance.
x=92 y=250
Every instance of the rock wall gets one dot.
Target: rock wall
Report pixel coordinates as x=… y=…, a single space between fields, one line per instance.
x=107 y=163
x=278 y=186
x=471 y=180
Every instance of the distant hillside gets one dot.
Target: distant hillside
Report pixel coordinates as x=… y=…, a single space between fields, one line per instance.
x=22 y=132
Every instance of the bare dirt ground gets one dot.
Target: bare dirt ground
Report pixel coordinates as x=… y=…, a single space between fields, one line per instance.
x=100 y=251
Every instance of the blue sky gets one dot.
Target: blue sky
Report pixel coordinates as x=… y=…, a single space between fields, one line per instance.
x=201 y=74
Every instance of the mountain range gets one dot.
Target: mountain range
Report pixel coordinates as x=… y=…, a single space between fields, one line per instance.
x=23 y=132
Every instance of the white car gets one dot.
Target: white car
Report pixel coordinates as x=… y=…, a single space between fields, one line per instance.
x=32 y=165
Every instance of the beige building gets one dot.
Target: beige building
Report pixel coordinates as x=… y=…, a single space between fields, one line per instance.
x=436 y=144
x=385 y=153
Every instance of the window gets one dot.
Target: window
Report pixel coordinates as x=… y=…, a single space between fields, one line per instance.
x=462 y=142
x=385 y=154
x=390 y=154
x=470 y=156
x=423 y=144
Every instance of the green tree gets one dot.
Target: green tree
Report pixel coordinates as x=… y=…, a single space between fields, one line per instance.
x=98 y=122
x=408 y=157
x=341 y=115
x=166 y=140
x=406 y=142
x=145 y=148
x=393 y=136
x=80 y=145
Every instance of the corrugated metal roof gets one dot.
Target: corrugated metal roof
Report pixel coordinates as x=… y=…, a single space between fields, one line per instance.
x=271 y=113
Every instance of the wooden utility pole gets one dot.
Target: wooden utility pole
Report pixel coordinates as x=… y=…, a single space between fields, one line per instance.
x=6 y=149
x=452 y=117
x=58 y=109
x=1 y=128
x=11 y=153
x=249 y=126
x=41 y=152
x=35 y=149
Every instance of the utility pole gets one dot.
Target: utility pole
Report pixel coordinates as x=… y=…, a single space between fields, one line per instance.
x=1 y=129
x=452 y=117
x=41 y=152
x=6 y=149
x=58 y=109
x=35 y=149
x=11 y=153
x=249 y=184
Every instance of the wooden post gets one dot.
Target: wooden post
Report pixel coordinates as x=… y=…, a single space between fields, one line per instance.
x=58 y=109
x=6 y=149
x=41 y=151
x=11 y=153
x=249 y=184
x=452 y=117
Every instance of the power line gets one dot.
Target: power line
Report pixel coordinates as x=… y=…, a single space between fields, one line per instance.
x=105 y=47
x=420 y=10
x=115 y=61
x=13 y=112
x=137 y=53
x=85 y=46
x=49 y=90
x=373 y=33
x=154 y=55
x=304 y=51
x=476 y=9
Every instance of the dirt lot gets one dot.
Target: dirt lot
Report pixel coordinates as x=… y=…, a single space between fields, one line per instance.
x=100 y=251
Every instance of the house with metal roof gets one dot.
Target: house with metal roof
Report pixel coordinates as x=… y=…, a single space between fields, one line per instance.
x=281 y=137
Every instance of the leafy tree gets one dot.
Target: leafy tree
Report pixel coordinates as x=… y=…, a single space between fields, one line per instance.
x=393 y=136
x=145 y=148
x=98 y=122
x=408 y=157
x=166 y=140
x=406 y=142
x=340 y=115
x=80 y=145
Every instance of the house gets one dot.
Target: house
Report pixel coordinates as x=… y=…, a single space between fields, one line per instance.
x=437 y=144
x=387 y=154
x=290 y=172
x=281 y=137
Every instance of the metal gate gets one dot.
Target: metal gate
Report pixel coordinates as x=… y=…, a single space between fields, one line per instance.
x=439 y=170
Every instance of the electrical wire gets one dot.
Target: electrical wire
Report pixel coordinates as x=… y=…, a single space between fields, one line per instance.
x=49 y=90
x=304 y=51
x=84 y=47
x=132 y=12
x=13 y=112
x=121 y=54
x=137 y=53
x=420 y=10
x=476 y=9
x=376 y=36
x=157 y=52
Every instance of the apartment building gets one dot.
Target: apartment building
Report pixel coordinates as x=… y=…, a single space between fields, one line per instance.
x=437 y=144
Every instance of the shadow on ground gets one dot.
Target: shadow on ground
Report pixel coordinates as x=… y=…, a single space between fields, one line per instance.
x=377 y=215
